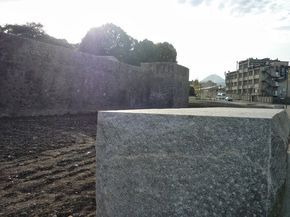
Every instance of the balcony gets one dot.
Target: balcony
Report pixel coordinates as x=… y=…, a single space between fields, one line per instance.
x=271 y=83
x=256 y=76
x=275 y=74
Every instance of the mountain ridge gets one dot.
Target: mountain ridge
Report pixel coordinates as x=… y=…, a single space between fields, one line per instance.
x=214 y=78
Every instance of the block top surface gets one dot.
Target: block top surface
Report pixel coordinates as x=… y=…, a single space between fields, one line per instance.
x=210 y=112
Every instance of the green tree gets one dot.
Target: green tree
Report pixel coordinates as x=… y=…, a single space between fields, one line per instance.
x=29 y=30
x=166 y=52
x=108 y=40
x=33 y=31
x=111 y=40
x=145 y=51
x=191 y=91
x=195 y=85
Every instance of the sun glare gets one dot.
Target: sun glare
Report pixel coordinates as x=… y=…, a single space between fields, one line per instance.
x=207 y=31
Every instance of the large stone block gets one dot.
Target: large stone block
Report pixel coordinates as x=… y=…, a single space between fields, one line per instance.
x=191 y=162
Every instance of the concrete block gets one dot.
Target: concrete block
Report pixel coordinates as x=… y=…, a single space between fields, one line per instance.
x=191 y=162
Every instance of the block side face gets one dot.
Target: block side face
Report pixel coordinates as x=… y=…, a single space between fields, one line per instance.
x=278 y=161
x=181 y=166
x=100 y=142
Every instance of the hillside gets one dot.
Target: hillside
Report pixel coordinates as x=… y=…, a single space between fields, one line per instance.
x=214 y=78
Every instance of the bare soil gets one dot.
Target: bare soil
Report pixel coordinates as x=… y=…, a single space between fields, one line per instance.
x=47 y=166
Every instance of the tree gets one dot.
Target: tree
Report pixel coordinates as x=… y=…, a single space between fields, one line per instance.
x=166 y=52
x=108 y=40
x=33 y=31
x=195 y=88
x=111 y=40
x=29 y=30
x=191 y=91
x=145 y=51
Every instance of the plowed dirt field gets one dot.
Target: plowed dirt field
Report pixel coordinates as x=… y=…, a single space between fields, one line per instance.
x=47 y=166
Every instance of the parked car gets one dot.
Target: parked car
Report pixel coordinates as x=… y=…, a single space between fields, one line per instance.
x=228 y=98
x=220 y=96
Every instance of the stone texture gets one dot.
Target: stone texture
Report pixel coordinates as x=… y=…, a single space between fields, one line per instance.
x=42 y=79
x=191 y=162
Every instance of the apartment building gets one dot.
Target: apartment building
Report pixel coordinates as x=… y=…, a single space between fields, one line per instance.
x=258 y=77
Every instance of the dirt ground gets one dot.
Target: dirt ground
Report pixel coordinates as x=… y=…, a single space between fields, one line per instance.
x=47 y=166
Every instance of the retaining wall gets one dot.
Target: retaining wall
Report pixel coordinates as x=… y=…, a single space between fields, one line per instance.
x=41 y=79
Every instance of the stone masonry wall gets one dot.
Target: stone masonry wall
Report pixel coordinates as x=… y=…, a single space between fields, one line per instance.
x=42 y=79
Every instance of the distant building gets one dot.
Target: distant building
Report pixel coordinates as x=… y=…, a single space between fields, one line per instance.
x=208 y=84
x=258 y=78
x=208 y=92
x=210 y=89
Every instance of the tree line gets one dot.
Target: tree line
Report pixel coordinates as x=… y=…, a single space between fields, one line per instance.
x=34 y=31
x=194 y=87
x=106 y=40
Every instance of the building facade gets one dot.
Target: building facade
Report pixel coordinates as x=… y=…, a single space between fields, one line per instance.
x=258 y=78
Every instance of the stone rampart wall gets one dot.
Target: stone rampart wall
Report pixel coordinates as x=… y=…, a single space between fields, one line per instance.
x=42 y=79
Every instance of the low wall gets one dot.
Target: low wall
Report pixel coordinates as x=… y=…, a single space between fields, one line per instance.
x=191 y=162
x=42 y=79
x=261 y=99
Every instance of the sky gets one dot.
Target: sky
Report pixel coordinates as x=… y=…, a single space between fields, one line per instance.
x=210 y=36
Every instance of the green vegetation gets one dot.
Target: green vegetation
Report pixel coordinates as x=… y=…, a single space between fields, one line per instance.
x=111 y=40
x=34 y=31
x=107 y=40
x=194 y=89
